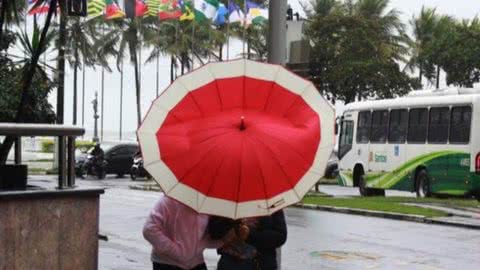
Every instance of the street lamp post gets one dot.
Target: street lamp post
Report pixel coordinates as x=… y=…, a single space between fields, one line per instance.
x=95 y=118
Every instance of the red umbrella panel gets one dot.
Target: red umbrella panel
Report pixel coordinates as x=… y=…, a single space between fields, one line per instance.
x=238 y=138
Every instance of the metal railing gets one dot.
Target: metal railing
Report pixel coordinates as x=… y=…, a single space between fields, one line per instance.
x=66 y=141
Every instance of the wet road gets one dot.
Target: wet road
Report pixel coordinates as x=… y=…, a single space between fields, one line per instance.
x=316 y=240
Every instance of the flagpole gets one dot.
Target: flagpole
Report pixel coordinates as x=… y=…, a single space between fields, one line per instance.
x=228 y=30
x=158 y=83
x=121 y=100
x=193 y=45
x=244 y=23
x=103 y=92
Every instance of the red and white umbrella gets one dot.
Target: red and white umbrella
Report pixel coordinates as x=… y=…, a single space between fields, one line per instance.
x=238 y=138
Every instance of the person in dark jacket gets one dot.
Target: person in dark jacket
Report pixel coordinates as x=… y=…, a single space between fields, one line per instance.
x=266 y=235
x=256 y=243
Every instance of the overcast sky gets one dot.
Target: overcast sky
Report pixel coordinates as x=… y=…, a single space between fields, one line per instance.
x=459 y=8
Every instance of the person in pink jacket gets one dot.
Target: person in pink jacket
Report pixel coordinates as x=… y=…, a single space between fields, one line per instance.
x=178 y=236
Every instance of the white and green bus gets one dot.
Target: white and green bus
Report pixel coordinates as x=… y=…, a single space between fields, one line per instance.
x=427 y=142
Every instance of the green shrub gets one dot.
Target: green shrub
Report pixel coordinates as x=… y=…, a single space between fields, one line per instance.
x=47 y=146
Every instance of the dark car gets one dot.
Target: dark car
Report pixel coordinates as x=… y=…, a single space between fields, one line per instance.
x=118 y=158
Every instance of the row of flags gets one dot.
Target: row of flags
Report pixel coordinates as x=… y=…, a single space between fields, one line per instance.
x=183 y=10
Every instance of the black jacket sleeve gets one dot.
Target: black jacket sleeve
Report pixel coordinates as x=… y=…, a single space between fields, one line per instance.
x=271 y=232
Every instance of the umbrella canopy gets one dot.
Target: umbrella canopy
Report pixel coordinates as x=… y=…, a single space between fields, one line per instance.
x=238 y=138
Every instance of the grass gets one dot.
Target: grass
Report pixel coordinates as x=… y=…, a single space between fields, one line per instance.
x=391 y=204
x=34 y=171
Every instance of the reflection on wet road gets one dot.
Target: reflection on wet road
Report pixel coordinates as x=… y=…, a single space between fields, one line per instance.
x=316 y=240
x=321 y=240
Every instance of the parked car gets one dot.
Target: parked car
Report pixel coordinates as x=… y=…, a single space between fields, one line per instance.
x=118 y=159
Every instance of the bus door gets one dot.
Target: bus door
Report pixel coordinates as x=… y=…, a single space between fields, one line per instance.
x=378 y=158
x=361 y=148
x=397 y=149
x=459 y=173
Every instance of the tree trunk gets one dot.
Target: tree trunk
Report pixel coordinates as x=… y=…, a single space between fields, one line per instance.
x=137 y=86
x=438 y=77
x=3 y=13
x=83 y=95
x=62 y=40
x=121 y=103
x=420 y=75
x=27 y=83
x=172 y=66
x=249 y=56
x=220 y=53
x=75 y=78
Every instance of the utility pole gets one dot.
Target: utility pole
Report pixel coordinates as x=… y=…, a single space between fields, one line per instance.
x=277 y=49
x=277 y=32
x=95 y=118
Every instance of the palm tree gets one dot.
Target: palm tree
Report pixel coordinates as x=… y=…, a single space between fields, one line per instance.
x=38 y=44
x=9 y=13
x=428 y=30
x=392 y=38
x=123 y=36
x=423 y=34
x=79 y=49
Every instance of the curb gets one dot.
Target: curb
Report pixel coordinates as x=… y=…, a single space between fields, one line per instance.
x=379 y=214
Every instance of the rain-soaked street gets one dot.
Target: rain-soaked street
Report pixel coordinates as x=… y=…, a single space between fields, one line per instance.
x=316 y=240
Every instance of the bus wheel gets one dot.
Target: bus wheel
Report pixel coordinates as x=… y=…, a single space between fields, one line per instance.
x=423 y=184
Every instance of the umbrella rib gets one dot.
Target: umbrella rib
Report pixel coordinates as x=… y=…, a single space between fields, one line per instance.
x=196 y=104
x=218 y=94
x=206 y=139
x=280 y=165
x=261 y=173
x=239 y=179
x=289 y=108
x=290 y=146
x=270 y=92
x=273 y=82
x=191 y=168
x=207 y=194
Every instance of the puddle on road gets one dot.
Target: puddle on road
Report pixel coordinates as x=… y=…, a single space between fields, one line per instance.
x=338 y=255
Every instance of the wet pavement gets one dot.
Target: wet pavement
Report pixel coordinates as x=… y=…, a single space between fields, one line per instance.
x=316 y=240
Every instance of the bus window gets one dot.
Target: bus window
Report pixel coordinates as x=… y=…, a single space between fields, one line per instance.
x=346 y=138
x=363 y=127
x=398 y=126
x=379 y=131
x=417 y=126
x=438 y=125
x=460 y=125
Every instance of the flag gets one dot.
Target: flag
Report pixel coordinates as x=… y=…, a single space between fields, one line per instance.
x=113 y=10
x=187 y=10
x=95 y=8
x=235 y=13
x=40 y=9
x=221 y=16
x=141 y=8
x=169 y=9
x=255 y=13
x=153 y=7
x=205 y=9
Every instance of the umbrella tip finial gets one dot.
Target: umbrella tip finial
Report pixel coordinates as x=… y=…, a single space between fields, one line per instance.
x=242 y=123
